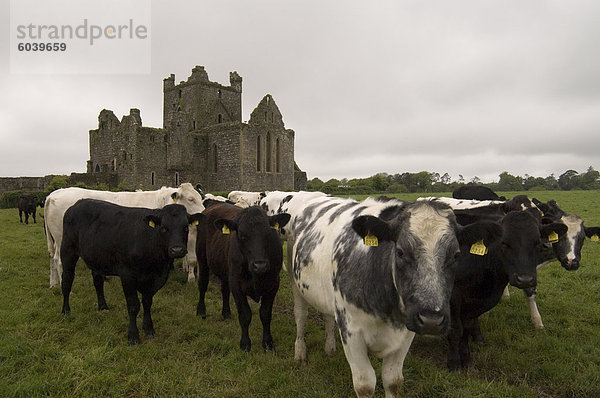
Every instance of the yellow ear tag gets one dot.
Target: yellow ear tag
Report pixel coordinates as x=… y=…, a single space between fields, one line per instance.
x=225 y=230
x=371 y=240
x=276 y=226
x=174 y=200
x=196 y=222
x=595 y=238
x=478 y=248
x=151 y=223
x=553 y=237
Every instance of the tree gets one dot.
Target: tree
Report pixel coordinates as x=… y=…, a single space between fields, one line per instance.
x=567 y=180
x=446 y=179
x=509 y=182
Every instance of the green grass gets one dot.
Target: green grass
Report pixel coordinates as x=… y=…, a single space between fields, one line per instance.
x=44 y=353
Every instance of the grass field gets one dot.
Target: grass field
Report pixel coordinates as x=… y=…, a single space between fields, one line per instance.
x=44 y=353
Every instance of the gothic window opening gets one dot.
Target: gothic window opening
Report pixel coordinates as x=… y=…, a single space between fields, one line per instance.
x=266 y=116
x=268 y=152
x=152 y=178
x=271 y=117
x=193 y=125
x=215 y=158
x=220 y=118
x=180 y=93
x=220 y=93
x=278 y=155
x=97 y=168
x=258 y=154
x=176 y=179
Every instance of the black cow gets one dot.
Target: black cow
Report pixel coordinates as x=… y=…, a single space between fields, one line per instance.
x=137 y=244
x=477 y=192
x=241 y=247
x=482 y=277
x=27 y=204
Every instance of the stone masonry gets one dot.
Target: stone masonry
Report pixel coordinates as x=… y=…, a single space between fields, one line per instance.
x=203 y=140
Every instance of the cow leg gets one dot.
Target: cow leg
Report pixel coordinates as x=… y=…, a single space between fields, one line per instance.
x=68 y=277
x=505 y=293
x=329 y=334
x=391 y=370
x=225 y=309
x=190 y=258
x=20 y=216
x=300 y=314
x=463 y=346
x=99 y=285
x=33 y=216
x=536 y=318
x=475 y=332
x=244 y=317
x=363 y=374
x=147 y=323
x=133 y=309
x=454 y=334
x=26 y=218
x=266 y=312
x=202 y=287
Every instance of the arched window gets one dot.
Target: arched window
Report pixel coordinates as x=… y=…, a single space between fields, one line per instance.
x=268 y=152
x=152 y=178
x=258 y=154
x=180 y=92
x=176 y=179
x=278 y=155
x=220 y=118
x=220 y=93
x=97 y=168
x=215 y=158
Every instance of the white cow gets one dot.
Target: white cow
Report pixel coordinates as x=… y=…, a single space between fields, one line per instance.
x=245 y=199
x=384 y=270
x=60 y=200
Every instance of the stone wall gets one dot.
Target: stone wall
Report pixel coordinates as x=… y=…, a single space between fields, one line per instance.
x=24 y=183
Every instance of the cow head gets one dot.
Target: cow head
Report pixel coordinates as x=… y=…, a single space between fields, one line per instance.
x=254 y=236
x=425 y=244
x=522 y=238
x=172 y=222
x=568 y=249
x=189 y=197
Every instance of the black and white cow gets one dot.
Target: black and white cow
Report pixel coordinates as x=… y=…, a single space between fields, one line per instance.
x=136 y=244
x=242 y=248
x=27 y=205
x=245 y=199
x=384 y=270
x=477 y=192
x=567 y=250
x=484 y=271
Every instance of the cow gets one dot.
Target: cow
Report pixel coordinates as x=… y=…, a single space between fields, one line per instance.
x=567 y=250
x=242 y=248
x=27 y=204
x=136 y=244
x=384 y=270
x=60 y=200
x=477 y=192
x=484 y=271
x=245 y=199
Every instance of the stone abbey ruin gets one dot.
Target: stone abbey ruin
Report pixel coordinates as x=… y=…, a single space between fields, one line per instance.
x=203 y=140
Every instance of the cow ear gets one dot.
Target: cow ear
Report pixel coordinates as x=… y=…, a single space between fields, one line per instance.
x=152 y=220
x=279 y=220
x=225 y=225
x=487 y=231
x=370 y=225
x=175 y=197
x=593 y=233
x=553 y=232
x=195 y=219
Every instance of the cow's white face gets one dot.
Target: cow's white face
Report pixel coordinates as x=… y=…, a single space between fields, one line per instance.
x=187 y=196
x=568 y=249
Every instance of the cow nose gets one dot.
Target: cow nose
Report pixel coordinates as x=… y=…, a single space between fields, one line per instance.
x=572 y=265
x=177 y=251
x=523 y=281
x=259 y=267
x=431 y=322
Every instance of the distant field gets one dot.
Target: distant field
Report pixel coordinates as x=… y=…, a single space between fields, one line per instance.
x=44 y=353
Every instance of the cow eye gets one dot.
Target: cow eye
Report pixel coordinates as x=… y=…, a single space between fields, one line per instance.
x=457 y=255
x=399 y=252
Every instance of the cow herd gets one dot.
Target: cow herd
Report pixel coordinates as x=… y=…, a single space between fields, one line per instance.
x=379 y=270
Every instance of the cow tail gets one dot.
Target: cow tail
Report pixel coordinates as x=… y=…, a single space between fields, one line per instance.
x=49 y=237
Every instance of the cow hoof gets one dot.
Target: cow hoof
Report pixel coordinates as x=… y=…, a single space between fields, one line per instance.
x=245 y=347
x=134 y=341
x=226 y=315
x=478 y=339
x=103 y=307
x=268 y=345
x=150 y=335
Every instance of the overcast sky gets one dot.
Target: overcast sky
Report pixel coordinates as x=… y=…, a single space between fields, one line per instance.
x=465 y=87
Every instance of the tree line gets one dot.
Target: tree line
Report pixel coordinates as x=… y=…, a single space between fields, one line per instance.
x=426 y=181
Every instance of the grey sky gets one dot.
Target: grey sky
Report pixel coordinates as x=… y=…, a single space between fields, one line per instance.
x=464 y=87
